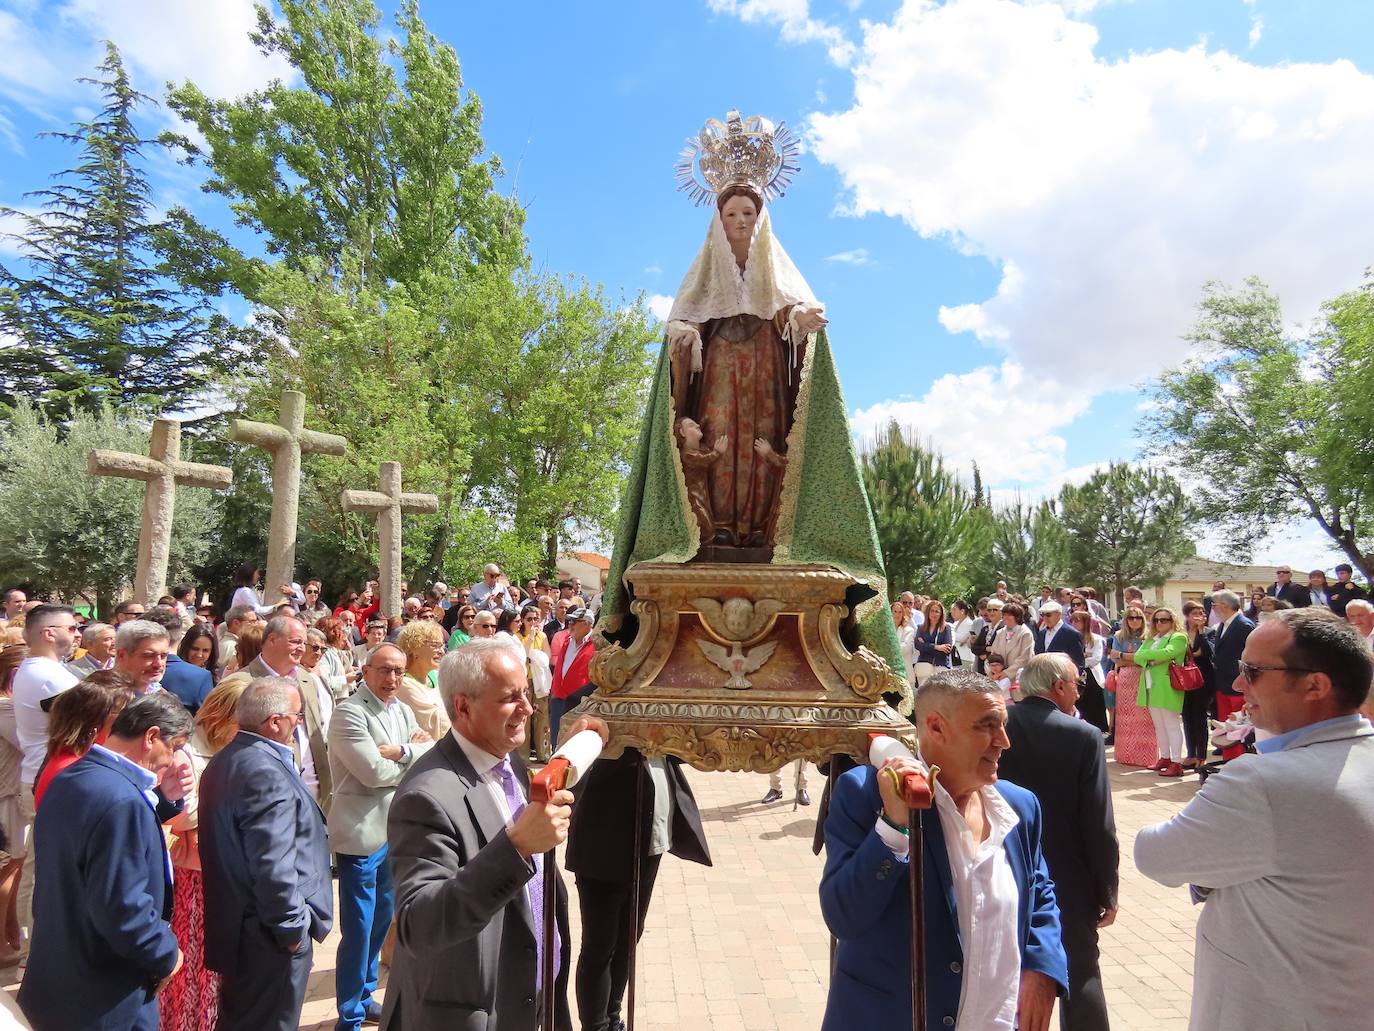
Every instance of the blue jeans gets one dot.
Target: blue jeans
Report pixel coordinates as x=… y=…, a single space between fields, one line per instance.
x=559 y=707
x=366 y=902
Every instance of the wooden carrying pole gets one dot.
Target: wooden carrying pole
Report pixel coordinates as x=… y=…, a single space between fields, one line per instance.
x=919 y=795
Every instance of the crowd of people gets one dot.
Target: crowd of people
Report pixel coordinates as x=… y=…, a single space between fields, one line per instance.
x=257 y=754
x=180 y=793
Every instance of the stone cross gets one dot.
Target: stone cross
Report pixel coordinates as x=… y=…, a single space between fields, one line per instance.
x=288 y=439
x=161 y=470
x=389 y=504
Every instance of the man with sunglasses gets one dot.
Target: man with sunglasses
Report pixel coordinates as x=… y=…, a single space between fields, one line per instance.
x=1274 y=843
x=1231 y=634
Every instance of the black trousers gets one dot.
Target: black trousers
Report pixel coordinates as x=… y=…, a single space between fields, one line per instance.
x=1092 y=703
x=266 y=990
x=1086 y=1007
x=603 y=965
x=1195 y=731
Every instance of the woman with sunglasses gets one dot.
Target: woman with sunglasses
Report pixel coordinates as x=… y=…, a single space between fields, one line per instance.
x=1132 y=729
x=462 y=627
x=1195 y=703
x=1166 y=642
x=529 y=631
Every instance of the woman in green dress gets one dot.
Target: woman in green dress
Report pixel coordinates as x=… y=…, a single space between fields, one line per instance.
x=1166 y=642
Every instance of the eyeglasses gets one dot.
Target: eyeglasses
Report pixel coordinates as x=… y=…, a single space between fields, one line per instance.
x=1134 y=619
x=294 y=717
x=312 y=590
x=1162 y=619
x=314 y=647
x=389 y=671
x=1250 y=673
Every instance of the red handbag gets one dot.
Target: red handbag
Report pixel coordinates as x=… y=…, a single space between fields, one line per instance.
x=1185 y=677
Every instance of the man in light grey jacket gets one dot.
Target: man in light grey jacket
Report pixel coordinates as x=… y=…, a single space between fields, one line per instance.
x=1276 y=842
x=373 y=737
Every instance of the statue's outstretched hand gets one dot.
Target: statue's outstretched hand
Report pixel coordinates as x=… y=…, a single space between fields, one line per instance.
x=811 y=320
x=722 y=445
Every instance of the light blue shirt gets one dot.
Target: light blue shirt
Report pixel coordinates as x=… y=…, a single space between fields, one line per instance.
x=1279 y=742
x=145 y=778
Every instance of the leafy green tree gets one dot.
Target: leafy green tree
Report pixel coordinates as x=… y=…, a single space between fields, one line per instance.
x=1279 y=424
x=1029 y=547
x=1126 y=525
x=925 y=517
x=77 y=534
x=98 y=310
x=376 y=154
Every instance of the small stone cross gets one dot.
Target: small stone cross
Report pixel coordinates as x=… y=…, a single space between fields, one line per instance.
x=288 y=439
x=161 y=470
x=389 y=504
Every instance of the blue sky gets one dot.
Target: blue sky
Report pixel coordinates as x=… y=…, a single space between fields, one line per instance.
x=1009 y=208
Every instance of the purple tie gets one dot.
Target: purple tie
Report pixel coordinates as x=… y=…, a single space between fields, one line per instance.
x=515 y=802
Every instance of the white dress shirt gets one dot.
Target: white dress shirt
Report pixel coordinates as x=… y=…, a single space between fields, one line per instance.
x=986 y=901
x=574 y=646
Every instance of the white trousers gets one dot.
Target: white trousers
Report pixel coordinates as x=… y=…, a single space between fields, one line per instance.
x=1168 y=733
x=775 y=778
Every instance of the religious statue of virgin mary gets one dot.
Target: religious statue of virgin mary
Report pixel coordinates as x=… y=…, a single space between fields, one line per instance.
x=746 y=456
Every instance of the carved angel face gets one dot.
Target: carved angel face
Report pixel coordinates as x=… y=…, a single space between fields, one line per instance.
x=737 y=614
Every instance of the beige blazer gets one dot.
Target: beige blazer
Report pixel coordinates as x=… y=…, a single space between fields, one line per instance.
x=315 y=731
x=364 y=781
x=1282 y=840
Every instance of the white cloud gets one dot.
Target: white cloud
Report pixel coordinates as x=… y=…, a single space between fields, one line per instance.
x=1005 y=420
x=654 y=270
x=858 y=256
x=794 y=21
x=1106 y=191
x=12 y=222
x=1256 y=29
x=660 y=305
x=48 y=47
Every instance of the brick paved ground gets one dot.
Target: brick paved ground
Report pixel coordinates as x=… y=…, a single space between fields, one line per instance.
x=751 y=950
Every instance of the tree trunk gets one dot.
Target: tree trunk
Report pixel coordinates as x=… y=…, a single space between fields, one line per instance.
x=551 y=552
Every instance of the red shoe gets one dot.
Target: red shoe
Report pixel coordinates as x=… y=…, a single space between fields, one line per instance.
x=1160 y=766
x=1172 y=770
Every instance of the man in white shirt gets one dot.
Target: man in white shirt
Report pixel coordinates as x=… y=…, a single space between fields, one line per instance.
x=50 y=633
x=15 y=600
x=1276 y=843
x=994 y=959
x=489 y=592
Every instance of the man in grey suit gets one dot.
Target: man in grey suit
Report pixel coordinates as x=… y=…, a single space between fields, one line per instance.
x=283 y=646
x=467 y=853
x=373 y=738
x=1273 y=842
x=265 y=855
x=98 y=640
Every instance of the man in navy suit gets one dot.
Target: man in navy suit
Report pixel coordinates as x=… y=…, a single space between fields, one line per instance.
x=265 y=854
x=994 y=959
x=1055 y=635
x=191 y=684
x=1231 y=634
x=102 y=945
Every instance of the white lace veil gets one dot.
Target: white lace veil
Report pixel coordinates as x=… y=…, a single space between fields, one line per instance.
x=715 y=287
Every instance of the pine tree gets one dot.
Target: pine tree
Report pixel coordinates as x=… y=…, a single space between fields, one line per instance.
x=979 y=499
x=97 y=315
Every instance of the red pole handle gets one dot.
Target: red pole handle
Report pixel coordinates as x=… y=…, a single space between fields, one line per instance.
x=550 y=779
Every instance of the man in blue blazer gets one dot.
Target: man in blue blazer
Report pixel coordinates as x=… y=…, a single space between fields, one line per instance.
x=102 y=945
x=1055 y=635
x=994 y=959
x=1231 y=634
x=265 y=854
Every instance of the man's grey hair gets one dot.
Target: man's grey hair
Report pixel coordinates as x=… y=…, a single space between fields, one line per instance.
x=237 y=613
x=316 y=634
x=490 y=617
x=1039 y=676
x=948 y=687
x=89 y=635
x=1228 y=598
x=160 y=709
x=133 y=633
x=278 y=626
x=170 y=620
x=467 y=669
x=1359 y=605
x=264 y=697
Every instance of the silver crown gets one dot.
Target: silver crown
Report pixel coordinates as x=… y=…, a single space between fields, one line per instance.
x=740 y=151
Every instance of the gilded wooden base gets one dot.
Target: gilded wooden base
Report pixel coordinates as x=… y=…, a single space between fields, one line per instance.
x=740 y=667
